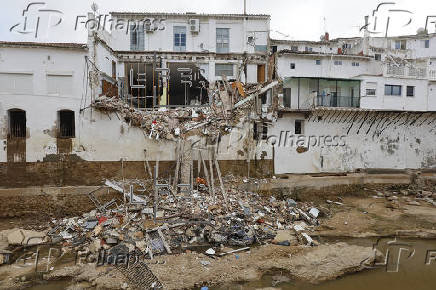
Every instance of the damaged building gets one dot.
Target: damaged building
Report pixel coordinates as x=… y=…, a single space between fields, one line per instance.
x=179 y=89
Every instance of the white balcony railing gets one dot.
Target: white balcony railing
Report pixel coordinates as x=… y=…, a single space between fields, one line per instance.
x=432 y=74
x=408 y=72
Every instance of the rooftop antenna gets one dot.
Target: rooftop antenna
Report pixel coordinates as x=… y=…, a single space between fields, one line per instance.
x=325 y=25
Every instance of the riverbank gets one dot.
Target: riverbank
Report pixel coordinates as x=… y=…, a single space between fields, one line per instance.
x=344 y=215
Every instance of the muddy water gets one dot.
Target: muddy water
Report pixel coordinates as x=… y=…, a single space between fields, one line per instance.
x=412 y=273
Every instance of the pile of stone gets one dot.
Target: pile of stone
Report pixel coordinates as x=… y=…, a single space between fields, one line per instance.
x=409 y=196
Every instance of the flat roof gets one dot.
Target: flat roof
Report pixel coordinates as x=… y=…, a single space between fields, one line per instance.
x=81 y=46
x=189 y=14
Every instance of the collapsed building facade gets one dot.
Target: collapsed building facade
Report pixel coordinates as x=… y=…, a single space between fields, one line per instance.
x=179 y=89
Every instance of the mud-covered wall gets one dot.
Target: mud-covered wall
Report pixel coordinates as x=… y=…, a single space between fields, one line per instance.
x=344 y=141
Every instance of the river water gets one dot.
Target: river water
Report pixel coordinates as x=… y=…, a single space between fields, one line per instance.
x=414 y=272
x=413 y=269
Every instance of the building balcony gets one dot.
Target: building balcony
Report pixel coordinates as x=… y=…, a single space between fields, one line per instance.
x=409 y=72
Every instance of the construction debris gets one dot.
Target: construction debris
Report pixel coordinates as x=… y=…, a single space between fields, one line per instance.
x=211 y=120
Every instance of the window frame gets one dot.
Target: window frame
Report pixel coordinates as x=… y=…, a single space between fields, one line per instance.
x=222 y=40
x=292 y=65
x=228 y=70
x=179 y=38
x=413 y=91
x=337 y=62
x=317 y=62
x=371 y=95
x=301 y=127
x=61 y=127
x=391 y=91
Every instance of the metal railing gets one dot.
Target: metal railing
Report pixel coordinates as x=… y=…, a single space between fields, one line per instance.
x=337 y=101
x=408 y=72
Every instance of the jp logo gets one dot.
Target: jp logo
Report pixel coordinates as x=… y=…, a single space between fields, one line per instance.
x=34 y=16
x=381 y=18
x=389 y=254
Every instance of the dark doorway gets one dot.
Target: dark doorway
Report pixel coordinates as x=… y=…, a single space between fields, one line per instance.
x=66 y=124
x=16 y=143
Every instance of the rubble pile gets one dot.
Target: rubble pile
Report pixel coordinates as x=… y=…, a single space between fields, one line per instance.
x=183 y=221
x=411 y=196
x=227 y=106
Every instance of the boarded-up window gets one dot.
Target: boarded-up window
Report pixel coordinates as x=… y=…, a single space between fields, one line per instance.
x=17 y=124
x=223 y=69
x=17 y=83
x=66 y=124
x=60 y=84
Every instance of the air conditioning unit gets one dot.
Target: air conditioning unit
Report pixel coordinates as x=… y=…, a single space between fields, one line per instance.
x=194 y=25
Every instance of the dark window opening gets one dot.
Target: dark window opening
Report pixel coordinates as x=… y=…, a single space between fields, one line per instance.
x=66 y=124
x=260 y=131
x=287 y=97
x=298 y=127
x=292 y=65
x=17 y=124
x=114 y=69
x=410 y=91
x=370 y=92
x=377 y=56
x=318 y=62
x=274 y=48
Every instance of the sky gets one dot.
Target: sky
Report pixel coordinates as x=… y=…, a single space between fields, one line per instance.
x=290 y=19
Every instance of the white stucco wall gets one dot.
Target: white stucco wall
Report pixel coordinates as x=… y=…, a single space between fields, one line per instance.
x=397 y=147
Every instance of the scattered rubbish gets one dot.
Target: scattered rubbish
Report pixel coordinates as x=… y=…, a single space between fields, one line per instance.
x=210 y=251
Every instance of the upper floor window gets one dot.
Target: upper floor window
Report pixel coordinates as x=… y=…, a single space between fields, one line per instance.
x=222 y=40
x=114 y=69
x=354 y=63
x=223 y=69
x=294 y=48
x=299 y=124
x=58 y=84
x=179 y=38
x=400 y=44
x=392 y=90
x=318 y=62
x=137 y=37
x=377 y=56
x=308 y=49
x=427 y=43
x=338 y=62
x=292 y=65
x=410 y=91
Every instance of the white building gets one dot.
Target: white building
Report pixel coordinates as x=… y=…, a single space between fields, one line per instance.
x=371 y=73
x=355 y=103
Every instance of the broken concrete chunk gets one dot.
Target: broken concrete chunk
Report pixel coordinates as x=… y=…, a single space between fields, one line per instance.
x=314 y=212
x=26 y=237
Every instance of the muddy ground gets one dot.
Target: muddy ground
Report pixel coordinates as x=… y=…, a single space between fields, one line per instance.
x=352 y=213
